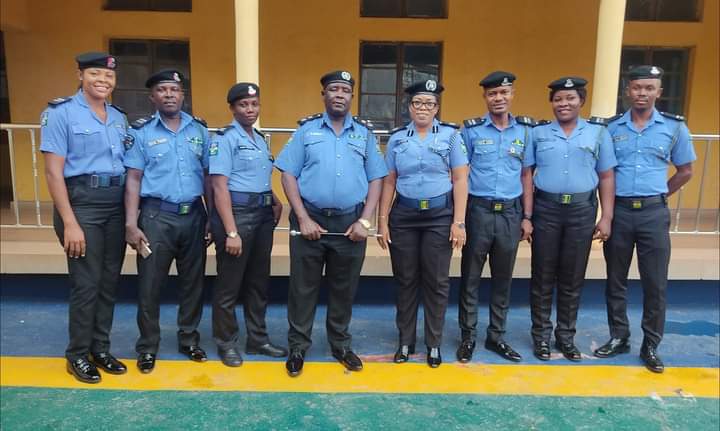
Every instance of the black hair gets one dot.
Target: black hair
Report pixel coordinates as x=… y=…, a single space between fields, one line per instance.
x=582 y=92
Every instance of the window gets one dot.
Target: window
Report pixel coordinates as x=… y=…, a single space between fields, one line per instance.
x=386 y=69
x=403 y=8
x=674 y=61
x=663 y=10
x=150 y=5
x=137 y=60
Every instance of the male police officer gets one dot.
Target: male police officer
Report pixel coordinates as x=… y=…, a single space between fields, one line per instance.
x=331 y=174
x=646 y=142
x=166 y=162
x=495 y=219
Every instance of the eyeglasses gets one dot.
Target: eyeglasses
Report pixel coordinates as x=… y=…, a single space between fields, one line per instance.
x=417 y=104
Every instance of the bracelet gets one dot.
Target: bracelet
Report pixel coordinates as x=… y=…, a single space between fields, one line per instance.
x=382 y=216
x=527 y=217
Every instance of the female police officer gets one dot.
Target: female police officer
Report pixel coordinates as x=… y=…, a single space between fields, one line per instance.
x=82 y=140
x=246 y=211
x=571 y=157
x=427 y=161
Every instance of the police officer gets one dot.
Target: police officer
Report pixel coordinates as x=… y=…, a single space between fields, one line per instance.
x=246 y=211
x=331 y=174
x=82 y=142
x=572 y=158
x=166 y=160
x=646 y=142
x=497 y=143
x=427 y=164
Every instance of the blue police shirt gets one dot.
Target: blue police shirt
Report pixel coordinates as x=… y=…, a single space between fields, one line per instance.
x=644 y=155
x=423 y=165
x=172 y=162
x=332 y=171
x=570 y=164
x=70 y=128
x=246 y=162
x=497 y=157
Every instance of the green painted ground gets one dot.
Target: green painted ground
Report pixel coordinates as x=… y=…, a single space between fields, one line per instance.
x=58 y=409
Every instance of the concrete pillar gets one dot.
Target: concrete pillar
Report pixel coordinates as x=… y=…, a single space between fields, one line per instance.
x=611 y=20
x=247 y=42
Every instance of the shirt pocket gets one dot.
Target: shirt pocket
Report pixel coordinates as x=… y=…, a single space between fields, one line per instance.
x=653 y=152
x=589 y=154
x=357 y=150
x=442 y=149
x=544 y=152
x=244 y=158
x=86 y=140
x=403 y=159
x=484 y=155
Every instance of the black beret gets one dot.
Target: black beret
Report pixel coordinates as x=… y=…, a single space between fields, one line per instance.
x=568 y=83
x=497 y=79
x=427 y=86
x=645 y=72
x=96 y=59
x=166 y=75
x=337 y=76
x=242 y=90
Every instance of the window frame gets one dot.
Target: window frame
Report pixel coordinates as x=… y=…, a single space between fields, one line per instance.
x=150 y=8
x=404 y=14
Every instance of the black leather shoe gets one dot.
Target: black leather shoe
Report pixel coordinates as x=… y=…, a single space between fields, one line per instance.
x=434 y=359
x=652 y=361
x=268 y=349
x=83 y=370
x=108 y=363
x=612 y=348
x=146 y=362
x=403 y=353
x=504 y=350
x=542 y=350
x=230 y=357
x=569 y=350
x=465 y=351
x=348 y=358
x=295 y=362
x=195 y=353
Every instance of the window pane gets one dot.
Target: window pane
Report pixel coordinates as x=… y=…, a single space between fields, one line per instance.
x=381 y=8
x=130 y=51
x=134 y=102
x=677 y=10
x=379 y=80
x=379 y=54
x=380 y=107
x=172 y=51
x=132 y=76
x=640 y=10
x=127 y=4
x=425 y=8
x=422 y=55
x=141 y=5
x=172 y=5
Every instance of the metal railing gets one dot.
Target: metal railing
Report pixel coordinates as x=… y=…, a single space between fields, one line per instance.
x=693 y=219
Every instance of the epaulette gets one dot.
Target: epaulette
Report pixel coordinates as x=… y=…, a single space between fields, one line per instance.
x=613 y=118
x=309 y=118
x=140 y=122
x=526 y=121
x=472 y=122
x=673 y=116
x=58 y=101
x=122 y=111
x=201 y=121
x=397 y=129
x=543 y=122
x=223 y=130
x=260 y=133
x=367 y=123
x=448 y=124
x=599 y=121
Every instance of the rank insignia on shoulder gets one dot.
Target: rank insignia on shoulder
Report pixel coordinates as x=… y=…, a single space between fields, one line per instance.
x=598 y=120
x=472 y=122
x=264 y=136
x=367 y=123
x=309 y=118
x=398 y=129
x=673 y=116
x=613 y=118
x=59 y=101
x=224 y=130
x=140 y=122
x=449 y=124
x=526 y=121
x=543 y=122
x=200 y=120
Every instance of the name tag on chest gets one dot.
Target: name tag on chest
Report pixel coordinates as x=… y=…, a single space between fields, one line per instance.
x=157 y=142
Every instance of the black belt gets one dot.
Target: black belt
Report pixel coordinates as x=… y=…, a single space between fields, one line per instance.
x=495 y=205
x=182 y=208
x=264 y=199
x=331 y=212
x=638 y=203
x=565 y=198
x=96 y=181
x=442 y=201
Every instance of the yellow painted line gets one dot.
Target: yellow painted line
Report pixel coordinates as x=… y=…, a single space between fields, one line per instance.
x=377 y=377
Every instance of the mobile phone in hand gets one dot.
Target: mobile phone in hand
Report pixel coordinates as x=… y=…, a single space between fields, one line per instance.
x=144 y=250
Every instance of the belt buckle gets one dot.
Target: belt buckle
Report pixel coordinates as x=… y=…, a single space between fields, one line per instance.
x=94 y=181
x=565 y=199
x=103 y=180
x=424 y=204
x=636 y=204
x=184 y=208
x=267 y=200
x=498 y=206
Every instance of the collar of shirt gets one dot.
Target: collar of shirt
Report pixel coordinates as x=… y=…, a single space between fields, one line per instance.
x=185 y=120
x=489 y=123
x=80 y=98
x=256 y=139
x=627 y=120
x=347 y=123
x=433 y=129
x=558 y=131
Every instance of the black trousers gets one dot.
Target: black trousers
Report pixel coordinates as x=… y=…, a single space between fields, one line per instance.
x=420 y=253
x=341 y=260
x=648 y=230
x=562 y=237
x=178 y=237
x=495 y=234
x=94 y=278
x=247 y=274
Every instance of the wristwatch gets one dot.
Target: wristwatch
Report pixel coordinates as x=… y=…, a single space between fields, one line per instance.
x=365 y=223
x=460 y=224
x=232 y=234
x=527 y=217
